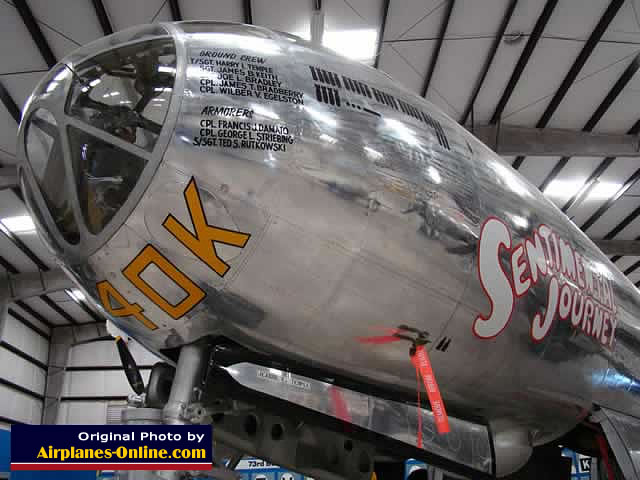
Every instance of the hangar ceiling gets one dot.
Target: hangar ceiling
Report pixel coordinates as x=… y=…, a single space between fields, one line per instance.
x=562 y=64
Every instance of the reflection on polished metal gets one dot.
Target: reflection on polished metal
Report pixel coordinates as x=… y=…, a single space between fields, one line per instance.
x=292 y=201
x=467 y=443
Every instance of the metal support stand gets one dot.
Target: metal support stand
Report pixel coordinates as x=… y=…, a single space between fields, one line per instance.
x=186 y=383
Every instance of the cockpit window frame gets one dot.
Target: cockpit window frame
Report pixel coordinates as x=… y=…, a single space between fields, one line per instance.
x=55 y=104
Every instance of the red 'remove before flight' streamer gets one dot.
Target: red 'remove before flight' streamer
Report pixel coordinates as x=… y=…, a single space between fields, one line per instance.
x=421 y=361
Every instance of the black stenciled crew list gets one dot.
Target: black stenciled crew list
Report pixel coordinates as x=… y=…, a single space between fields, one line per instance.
x=232 y=74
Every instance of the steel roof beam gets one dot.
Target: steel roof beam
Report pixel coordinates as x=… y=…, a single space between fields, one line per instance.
x=85 y=307
x=634 y=130
x=9 y=103
x=611 y=96
x=571 y=76
x=33 y=284
x=536 y=33
x=34 y=313
x=436 y=53
x=489 y=60
x=60 y=311
x=383 y=26
x=34 y=30
x=632 y=268
x=28 y=324
x=103 y=18
x=585 y=53
x=516 y=140
x=608 y=100
x=619 y=247
x=248 y=12
x=175 y=10
x=623 y=224
x=631 y=181
x=13 y=238
x=589 y=185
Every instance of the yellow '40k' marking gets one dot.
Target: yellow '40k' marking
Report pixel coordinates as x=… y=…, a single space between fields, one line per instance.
x=201 y=243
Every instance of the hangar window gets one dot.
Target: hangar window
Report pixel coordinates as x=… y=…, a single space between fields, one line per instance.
x=126 y=91
x=45 y=155
x=105 y=176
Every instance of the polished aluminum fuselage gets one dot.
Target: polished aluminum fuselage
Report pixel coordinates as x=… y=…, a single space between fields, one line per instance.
x=364 y=210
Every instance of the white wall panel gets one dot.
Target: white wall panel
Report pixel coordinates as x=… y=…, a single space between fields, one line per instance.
x=21 y=372
x=106 y=354
x=87 y=413
x=25 y=339
x=105 y=383
x=19 y=406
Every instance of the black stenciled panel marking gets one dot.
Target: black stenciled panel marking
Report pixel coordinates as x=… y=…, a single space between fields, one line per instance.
x=331 y=96
x=327 y=95
x=443 y=344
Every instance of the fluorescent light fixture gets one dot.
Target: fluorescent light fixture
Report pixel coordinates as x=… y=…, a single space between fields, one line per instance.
x=76 y=294
x=567 y=188
x=19 y=224
x=95 y=82
x=354 y=44
x=165 y=69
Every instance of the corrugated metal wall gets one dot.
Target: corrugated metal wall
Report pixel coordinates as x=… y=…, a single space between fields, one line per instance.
x=86 y=377
x=24 y=351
